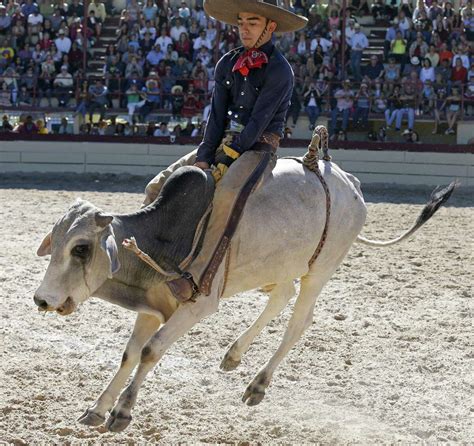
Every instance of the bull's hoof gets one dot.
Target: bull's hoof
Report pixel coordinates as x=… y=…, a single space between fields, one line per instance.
x=117 y=422
x=228 y=363
x=252 y=396
x=90 y=418
x=255 y=391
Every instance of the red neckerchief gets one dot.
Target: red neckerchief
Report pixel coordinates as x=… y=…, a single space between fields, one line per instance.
x=252 y=58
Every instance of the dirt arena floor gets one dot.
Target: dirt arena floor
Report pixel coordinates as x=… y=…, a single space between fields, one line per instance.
x=388 y=357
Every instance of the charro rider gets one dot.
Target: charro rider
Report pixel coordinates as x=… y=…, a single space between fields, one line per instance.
x=253 y=87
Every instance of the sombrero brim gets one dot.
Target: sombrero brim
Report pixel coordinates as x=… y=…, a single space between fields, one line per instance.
x=227 y=11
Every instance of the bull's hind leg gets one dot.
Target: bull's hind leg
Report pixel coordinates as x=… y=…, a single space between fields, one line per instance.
x=182 y=320
x=279 y=297
x=311 y=286
x=145 y=326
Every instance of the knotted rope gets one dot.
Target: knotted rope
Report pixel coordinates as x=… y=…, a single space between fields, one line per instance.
x=311 y=161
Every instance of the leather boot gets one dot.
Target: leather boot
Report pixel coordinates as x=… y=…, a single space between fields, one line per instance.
x=183 y=289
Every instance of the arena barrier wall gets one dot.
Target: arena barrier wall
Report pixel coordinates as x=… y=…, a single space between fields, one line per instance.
x=415 y=165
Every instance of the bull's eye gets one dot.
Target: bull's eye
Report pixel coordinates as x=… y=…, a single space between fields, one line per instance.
x=80 y=251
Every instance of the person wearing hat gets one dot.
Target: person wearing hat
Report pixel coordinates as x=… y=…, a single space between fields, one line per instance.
x=63 y=43
x=250 y=100
x=63 y=83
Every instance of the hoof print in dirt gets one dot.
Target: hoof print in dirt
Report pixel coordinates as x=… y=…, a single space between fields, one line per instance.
x=89 y=418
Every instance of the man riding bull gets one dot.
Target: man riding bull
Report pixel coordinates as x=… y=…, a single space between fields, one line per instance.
x=253 y=87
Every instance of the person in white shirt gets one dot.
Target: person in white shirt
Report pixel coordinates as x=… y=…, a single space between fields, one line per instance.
x=177 y=29
x=464 y=59
x=164 y=40
x=201 y=41
x=358 y=44
x=35 y=21
x=62 y=83
x=184 y=11
x=162 y=130
x=350 y=31
x=325 y=44
x=150 y=29
x=63 y=43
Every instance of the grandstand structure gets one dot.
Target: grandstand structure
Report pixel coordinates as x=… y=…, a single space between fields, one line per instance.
x=124 y=66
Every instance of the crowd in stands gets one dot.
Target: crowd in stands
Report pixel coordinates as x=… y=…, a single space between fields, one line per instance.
x=164 y=54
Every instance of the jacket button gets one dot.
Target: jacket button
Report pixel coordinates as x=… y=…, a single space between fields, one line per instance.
x=242 y=93
x=241 y=106
x=229 y=113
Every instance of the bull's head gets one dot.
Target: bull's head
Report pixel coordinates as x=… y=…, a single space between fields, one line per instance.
x=83 y=256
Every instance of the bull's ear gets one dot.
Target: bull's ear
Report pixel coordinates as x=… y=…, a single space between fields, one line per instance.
x=108 y=244
x=45 y=247
x=102 y=220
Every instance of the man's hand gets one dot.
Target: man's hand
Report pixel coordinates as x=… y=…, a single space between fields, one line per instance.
x=202 y=165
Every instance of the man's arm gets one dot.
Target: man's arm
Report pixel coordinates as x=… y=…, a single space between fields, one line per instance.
x=217 y=119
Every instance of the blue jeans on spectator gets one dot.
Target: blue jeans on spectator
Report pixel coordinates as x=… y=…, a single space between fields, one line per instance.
x=313 y=114
x=411 y=117
x=345 y=119
x=356 y=57
x=390 y=116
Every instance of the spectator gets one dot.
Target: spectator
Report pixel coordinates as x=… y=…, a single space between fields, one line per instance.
x=35 y=19
x=409 y=103
x=98 y=98
x=390 y=36
x=373 y=71
x=6 y=127
x=162 y=130
x=413 y=66
x=63 y=84
x=459 y=73
x=398 y=48
x=97 y=16
x=152 y=96
x=149 y=29
x=63 y=128
x=419 y=47
x=5 y=21
x=358 y=44
x=201 y=41
x=344 y=97
x=310 y=97
x=428 y=96
x=184 y=12
x=295 y=105
x=63 y=43
x=177 y=100
x=440 y=107
x=433 y=56
x=192 y=104
x=325 y=44
x=379 y=101
x=164 y=40
x=42 y=130
x=155 y=55
x=453 y=109
x=134 y=101
x=177 y=29
x=150 y=11
x=427 y=72
x=184 y=47
x=5 y=95
x=28 y=127
x=363 y=103
x=75 y=9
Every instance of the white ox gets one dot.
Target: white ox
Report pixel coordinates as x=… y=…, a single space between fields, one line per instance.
x=279 y=231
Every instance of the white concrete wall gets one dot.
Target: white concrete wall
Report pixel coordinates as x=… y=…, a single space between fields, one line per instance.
x=147 y=159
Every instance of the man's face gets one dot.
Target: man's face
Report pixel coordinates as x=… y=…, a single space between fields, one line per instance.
x=251 y=27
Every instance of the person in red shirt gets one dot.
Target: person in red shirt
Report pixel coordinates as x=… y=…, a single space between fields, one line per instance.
x=459 y=73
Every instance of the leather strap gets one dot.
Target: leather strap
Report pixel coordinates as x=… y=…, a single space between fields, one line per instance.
x=224 y=242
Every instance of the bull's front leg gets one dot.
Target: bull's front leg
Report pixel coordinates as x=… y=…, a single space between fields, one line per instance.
x=145 y=326
x=182 y=320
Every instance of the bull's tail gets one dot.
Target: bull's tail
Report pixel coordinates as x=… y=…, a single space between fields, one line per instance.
x=438 y=197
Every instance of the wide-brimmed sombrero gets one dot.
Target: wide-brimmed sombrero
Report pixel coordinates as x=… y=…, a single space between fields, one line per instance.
x=227 y=11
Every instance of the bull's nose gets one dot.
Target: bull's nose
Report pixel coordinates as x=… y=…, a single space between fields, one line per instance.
x=40 y=303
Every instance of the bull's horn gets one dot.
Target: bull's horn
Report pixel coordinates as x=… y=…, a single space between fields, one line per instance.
x=102 y=220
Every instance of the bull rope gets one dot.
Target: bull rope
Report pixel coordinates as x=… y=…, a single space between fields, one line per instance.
x=320 y=139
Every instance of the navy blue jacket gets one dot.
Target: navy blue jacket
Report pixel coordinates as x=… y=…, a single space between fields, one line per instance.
x=258 y=101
